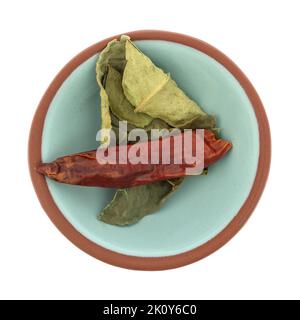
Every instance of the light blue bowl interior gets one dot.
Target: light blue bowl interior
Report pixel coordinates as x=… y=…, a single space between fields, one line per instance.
x=203 y=205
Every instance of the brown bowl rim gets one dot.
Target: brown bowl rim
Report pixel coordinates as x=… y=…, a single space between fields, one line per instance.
x=164 y=262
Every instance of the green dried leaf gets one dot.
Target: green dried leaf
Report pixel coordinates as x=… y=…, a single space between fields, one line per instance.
x=113 y=55
x=153 y=92
x=130 y=205
x=105 y=116
x=118 y=103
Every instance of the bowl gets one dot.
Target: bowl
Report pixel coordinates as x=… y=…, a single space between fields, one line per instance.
x=207 y=211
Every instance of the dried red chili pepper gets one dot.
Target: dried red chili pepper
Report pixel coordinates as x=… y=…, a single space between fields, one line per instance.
x=84 y=169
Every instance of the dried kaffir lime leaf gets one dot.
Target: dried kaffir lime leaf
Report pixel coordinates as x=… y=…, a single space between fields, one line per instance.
x=150 y=90
x=118 y=103
x=132 y=204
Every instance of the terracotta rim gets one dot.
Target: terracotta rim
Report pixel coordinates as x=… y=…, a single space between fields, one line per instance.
x=148 y=263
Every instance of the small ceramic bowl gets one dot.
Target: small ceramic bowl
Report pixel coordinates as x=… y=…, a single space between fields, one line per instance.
x=207 y=211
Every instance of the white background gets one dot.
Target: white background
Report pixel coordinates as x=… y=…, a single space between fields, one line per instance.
x=38 y=38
